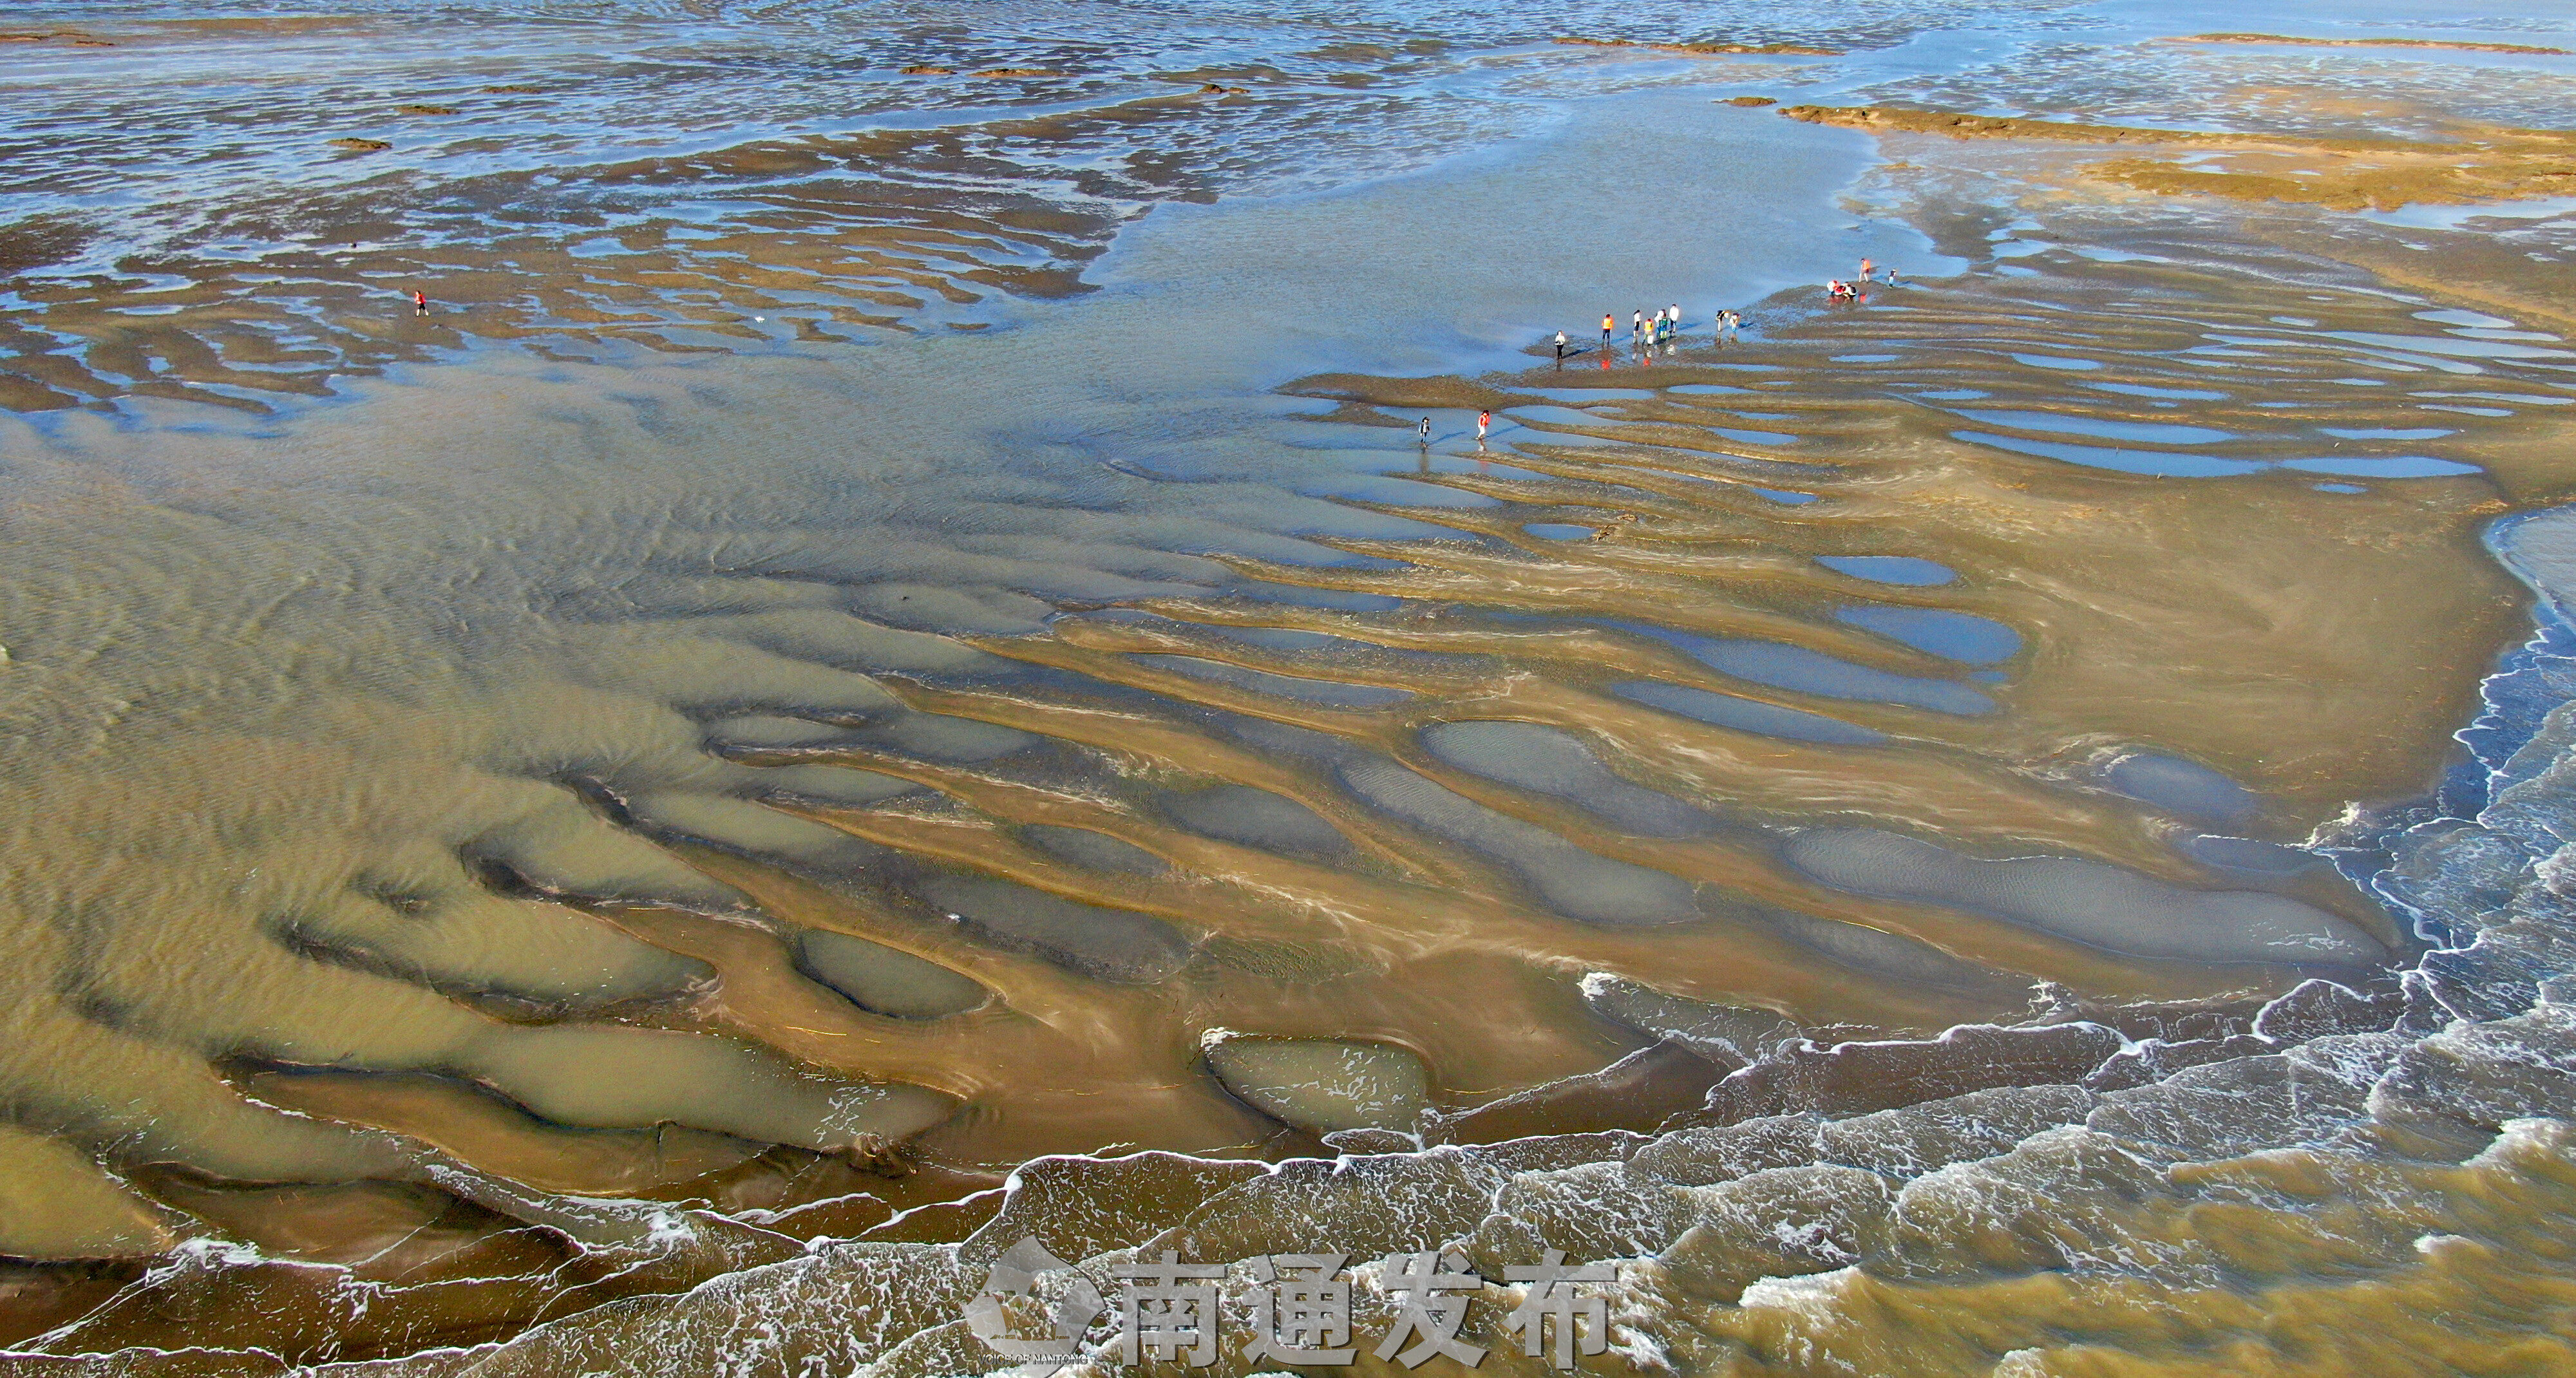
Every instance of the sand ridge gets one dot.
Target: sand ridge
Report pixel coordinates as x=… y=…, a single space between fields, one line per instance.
x=2482 y=164
x=1721 y=48
x=2439 y=44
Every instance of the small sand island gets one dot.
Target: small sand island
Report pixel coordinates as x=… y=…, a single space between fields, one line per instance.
x=2451 y=45
x=74 y=37
x=2486 y=163
x=927 y=69
x=1704 y=49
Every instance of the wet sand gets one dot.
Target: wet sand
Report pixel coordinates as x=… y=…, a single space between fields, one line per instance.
x=1851 y=803
x=2475 y=165
x=2438 y=44
x=1438 y=943
x=1713 y=49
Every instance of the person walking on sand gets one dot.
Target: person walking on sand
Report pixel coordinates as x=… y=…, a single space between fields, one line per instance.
x=1423 y=431
x=1637 y=327
x=419 y=303
x=1560 y=347
x=1673 y=313
x=1484 y=422
x=1605 y=329
x=1864 y=270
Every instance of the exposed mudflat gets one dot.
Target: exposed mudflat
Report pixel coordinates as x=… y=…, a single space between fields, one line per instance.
x=2476 y=165
x=955 y=639
x=2436 y=44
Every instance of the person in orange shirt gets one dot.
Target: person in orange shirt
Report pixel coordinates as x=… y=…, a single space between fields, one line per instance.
x=1607 y=322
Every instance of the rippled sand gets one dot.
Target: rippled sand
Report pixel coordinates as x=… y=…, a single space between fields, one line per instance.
x=1904 y=826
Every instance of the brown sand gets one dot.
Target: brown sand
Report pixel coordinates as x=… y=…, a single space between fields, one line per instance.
x=2483 y=164
x=2441 y=43
x=1720 y=49
x=2319 y=661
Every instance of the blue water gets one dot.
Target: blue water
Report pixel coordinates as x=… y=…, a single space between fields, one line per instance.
x=2394 y=466
x=1956 y=636
x=1747 y=715
x=2153 y=433
x=2148 y=390
x=2162 y=463
x=1813 y=672
x=1890 y=569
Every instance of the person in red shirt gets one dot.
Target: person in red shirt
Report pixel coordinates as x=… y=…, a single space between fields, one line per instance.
x=420 y=303
x=1484 y=419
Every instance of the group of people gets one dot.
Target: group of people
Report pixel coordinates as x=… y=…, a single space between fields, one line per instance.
x=1484 y=427
x=1651 y=330
x=1648 y=329
x=1839 y=290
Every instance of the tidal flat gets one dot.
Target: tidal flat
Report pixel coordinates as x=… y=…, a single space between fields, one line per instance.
x=950 y=626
